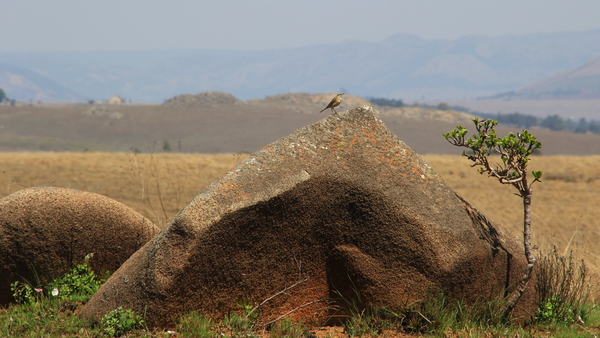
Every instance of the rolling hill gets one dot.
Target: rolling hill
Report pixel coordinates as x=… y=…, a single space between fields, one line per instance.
x=220 y=123
x=582 y=82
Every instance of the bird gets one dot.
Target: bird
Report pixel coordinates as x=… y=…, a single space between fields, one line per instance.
x=334 y=103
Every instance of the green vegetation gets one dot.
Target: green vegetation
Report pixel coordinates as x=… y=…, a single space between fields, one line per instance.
x=563 y=312
x=443 y=106
x=119 y=322
x=196 y=325
x=49 y=311
x=438 y=316
x=2 y=95
x=383 y=102
x=167 y=146
x=563 y=290
x=242 y=324
x=288 y=329
x=78 y=285
x=552 y=122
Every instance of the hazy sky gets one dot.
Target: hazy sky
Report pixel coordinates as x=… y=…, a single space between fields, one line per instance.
x=82 y=25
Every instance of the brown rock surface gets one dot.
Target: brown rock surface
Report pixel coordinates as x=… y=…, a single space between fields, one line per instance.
x=342 y=202
x=50 y=230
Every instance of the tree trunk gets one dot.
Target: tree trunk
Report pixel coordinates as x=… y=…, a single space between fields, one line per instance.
x=522 y=285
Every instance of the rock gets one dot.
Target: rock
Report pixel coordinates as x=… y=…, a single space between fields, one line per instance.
x=116 y=100
x=305 y=103
x=209 y=99
x=340 y=207
x=427 y=114
x=47 y=231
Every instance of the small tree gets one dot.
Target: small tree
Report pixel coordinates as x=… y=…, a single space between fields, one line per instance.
x=167 y=146
x=443 y=106
x=2 y=95
x=514 y=151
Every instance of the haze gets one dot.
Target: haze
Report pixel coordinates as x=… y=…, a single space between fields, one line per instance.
x=37 y=25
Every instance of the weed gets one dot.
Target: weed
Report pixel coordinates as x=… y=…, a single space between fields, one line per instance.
x=239 y=325
x=434 y=315
x=23 y=293
x=119 y=322
x=437 y=314
x=562 y=287
x=78 y=285
x=360 y=317
x=196 y=325
x=288 y=329
x=49 y=314
x=242 y=324
x=42 y=317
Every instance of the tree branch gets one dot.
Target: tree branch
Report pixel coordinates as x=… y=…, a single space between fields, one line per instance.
x=275 y=295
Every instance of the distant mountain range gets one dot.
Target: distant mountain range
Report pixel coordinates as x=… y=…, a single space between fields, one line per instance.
x=24 y=84
x=582 y=82
x=401 y=66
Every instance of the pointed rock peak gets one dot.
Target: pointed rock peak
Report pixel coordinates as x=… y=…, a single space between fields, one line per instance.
x=351 y=146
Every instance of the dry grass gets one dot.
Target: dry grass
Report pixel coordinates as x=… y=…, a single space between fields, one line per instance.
x=565 y=205
x=136 y=180
x=566 y=210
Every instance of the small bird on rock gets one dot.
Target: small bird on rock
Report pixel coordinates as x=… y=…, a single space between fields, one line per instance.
x=334 y=103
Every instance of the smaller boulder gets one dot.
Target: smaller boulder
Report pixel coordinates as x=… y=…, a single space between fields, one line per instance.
x=44 y=232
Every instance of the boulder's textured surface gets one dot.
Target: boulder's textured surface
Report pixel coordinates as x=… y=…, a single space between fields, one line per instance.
x=47 y=231
x=342 y=202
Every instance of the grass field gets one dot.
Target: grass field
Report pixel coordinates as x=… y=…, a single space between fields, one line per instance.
x=565 y=204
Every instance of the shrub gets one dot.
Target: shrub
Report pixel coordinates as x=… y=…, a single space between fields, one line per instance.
x=79 y=284
x=118 y=322
x=561 y=286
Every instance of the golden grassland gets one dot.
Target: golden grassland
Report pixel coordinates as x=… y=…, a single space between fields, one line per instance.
x=157 y=186
x=566 y=205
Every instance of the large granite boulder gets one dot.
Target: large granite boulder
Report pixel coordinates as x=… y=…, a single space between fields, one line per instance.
x=47 y=231
x=338 y=209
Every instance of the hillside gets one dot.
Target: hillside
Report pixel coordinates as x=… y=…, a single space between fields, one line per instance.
x=220 y=123
x=22 y=83
x=582 y=82
x=401 y=66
